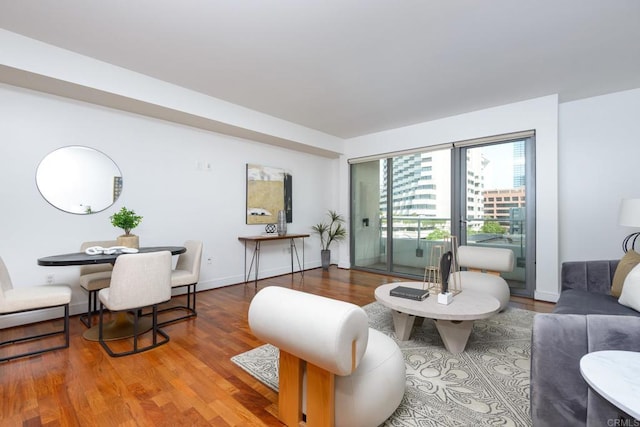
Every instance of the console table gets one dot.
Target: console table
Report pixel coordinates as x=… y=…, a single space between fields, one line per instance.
x=255 y=258
x=615 y=375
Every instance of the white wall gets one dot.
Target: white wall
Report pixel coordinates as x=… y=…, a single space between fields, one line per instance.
x=599 y=162
x=586 y=162
x=26 y=62
x=159 y=161
x=540 y=114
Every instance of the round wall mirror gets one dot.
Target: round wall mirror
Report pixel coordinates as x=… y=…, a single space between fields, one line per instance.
x=79 y=180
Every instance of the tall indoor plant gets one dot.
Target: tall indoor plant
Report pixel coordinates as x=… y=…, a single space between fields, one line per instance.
x=127 y=220
x=333 y=230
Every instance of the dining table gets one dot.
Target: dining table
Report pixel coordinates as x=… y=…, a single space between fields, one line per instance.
x=122 y=325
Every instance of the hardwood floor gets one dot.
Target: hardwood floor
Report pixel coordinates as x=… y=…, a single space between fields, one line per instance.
x=188 y=382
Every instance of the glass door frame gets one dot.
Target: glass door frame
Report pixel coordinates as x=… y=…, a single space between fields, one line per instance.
x=459 y=204
x=387 y=236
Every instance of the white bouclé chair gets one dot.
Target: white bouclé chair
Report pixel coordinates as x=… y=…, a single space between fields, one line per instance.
x=484 y=265
x=333 y=367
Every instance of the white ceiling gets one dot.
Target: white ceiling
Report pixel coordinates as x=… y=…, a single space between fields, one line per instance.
x=353 y=67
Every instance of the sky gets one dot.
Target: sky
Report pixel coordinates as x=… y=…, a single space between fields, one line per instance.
x=499 y=171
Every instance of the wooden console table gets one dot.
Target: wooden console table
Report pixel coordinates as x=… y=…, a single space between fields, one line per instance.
x=257 y=240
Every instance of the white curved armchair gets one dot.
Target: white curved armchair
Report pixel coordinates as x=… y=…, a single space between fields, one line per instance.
x=137 y=281
x=484 y=265
x=33 y=298
x=355 y=376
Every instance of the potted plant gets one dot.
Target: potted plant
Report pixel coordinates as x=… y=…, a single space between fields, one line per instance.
x=127 y=220
x=329 y=231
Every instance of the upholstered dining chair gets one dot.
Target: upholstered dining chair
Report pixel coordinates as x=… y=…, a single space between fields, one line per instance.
x=186 y=274
x=138 y=281
x=17 y=300
x=93 y=278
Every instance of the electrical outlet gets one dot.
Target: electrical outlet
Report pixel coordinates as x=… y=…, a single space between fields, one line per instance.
x=50 y=279
x=209 y=260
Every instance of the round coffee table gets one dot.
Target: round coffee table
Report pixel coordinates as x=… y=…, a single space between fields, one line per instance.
x=453 y=321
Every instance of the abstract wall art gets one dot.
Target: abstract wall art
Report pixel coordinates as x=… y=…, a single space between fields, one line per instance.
x=269 y=190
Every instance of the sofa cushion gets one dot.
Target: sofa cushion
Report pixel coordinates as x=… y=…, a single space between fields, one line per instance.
x=630 y=296
x=592 y=276
x=574 y=301
x=626 y=264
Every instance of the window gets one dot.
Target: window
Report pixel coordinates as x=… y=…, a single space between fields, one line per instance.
x=411 y=203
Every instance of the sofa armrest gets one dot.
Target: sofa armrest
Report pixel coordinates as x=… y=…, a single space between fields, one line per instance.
x=559 y=394
x=591 y=276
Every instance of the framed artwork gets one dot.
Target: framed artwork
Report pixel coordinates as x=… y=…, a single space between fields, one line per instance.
x=269 y=190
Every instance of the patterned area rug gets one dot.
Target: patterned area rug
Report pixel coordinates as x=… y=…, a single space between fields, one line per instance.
x=487 y=385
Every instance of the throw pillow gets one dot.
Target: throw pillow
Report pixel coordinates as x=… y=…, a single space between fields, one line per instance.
x=631 y=289
x=626 y=264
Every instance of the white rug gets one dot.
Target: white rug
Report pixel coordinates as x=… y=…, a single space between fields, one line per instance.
x=487 y=385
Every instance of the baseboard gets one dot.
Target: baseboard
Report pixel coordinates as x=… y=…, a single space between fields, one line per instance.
x=546 y=296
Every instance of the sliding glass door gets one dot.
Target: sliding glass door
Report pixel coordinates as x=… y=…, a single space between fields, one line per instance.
x=497 y=204
x=401 y=206
x=368 y=216
x=405 y=208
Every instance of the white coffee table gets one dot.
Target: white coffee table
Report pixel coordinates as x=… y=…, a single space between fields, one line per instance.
x=453 y=321
x=615 y=375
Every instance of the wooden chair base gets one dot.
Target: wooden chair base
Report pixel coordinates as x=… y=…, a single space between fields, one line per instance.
x=320 y=411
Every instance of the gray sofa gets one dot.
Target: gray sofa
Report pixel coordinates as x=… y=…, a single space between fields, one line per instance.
x=586 y=319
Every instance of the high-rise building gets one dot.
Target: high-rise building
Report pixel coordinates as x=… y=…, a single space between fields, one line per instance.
x=476 y=164
x=421 y=185
x=518 y=164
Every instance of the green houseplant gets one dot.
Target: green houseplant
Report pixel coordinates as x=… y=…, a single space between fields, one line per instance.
x=127 y=220
x=333 y=230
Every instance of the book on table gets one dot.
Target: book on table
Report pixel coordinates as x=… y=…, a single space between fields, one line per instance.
x=409 y=293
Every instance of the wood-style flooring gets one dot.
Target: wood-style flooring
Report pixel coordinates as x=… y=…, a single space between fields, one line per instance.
x=188 y=382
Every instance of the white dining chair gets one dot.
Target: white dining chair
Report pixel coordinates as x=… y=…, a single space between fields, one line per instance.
x=18 y=300
x=93 y=278
x=138 y=281
x=186 y=274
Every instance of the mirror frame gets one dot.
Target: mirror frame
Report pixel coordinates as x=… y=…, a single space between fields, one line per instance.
x=74 y=179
